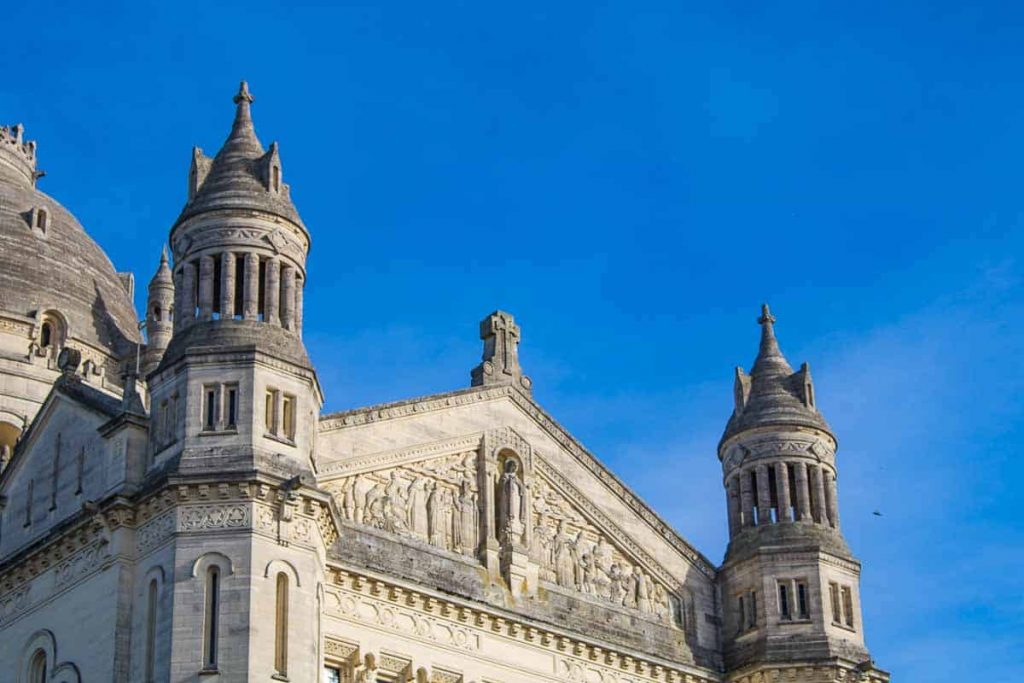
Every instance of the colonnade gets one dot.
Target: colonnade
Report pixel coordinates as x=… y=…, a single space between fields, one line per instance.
x=243 y=286
x=778 y=492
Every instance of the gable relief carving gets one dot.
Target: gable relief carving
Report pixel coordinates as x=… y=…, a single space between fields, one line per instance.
x=434 y=501
x=574 y=554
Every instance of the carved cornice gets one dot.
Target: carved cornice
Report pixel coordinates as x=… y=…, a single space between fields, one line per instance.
x=397 y=457
x=418 y=614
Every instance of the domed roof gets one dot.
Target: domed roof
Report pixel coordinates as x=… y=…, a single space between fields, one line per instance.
x=48 y=262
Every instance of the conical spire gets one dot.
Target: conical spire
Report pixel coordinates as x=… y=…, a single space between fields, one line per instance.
x=242 y=140
x=770 y=360
x=772 y=394
x=163 y=271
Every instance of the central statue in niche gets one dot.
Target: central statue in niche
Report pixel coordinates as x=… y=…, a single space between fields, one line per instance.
x=512 y=504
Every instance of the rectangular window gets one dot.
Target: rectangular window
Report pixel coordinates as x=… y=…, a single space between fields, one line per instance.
x=332 y=674
x=752 y=606
x=848 y=606
x=231 y=409
x=742 y=613
x=288 y=417
x=270 y=411
x=784 y=601
x=801 y=600
x=209 y=408
x=833 y=594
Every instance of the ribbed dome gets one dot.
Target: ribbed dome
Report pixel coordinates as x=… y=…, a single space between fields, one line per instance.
x=58 y=266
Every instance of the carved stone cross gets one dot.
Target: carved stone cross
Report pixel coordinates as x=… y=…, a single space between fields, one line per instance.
x=500 y=365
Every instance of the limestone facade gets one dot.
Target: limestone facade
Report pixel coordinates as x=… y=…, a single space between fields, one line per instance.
x=203 y=521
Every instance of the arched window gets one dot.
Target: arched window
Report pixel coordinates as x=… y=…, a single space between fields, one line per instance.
x=276 y=178
x=151 y=607
x=37 y=668
x=212 y=618
x=42 y=219
x=281 y=626
x=46 y=335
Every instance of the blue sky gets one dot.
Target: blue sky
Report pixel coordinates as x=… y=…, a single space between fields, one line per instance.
x=631 y=180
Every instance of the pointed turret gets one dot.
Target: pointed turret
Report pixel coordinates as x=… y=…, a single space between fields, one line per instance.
x=789 y=581
x=243 y=175
x=772 y=394
x=159 y=314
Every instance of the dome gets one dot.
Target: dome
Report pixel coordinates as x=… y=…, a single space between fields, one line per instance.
x=49 y=263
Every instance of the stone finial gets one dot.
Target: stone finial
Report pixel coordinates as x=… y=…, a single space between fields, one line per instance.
x=769 y=356
x=500 y=365
x=243 y=94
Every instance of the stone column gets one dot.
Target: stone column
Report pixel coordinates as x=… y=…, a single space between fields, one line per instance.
x=803 y=501
x=178 y=298
x=732 y=491
x=287 y=297
x=819 y=495
x=205 y=287
x=299 y=284
x=251 y=288
x=187 y=313
x=764 y=497
x=831 y=499
x=746 y=498
x=272 y=292
x=227 y=286
x=782 y=486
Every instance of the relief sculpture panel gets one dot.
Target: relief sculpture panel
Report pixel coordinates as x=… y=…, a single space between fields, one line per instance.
x=435 y=501
x=574 y=554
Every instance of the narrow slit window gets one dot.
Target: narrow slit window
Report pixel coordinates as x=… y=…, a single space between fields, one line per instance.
x=232 y=407
x=752 y=606
x=37 y=672
x=42 y=219
x=801 y=600
x=281 y=626
x=239 y=286
x=784 y=601
x=848 y=606
x=270 y=411
x=212 y=618
x=793 y=507
x=742 y=613
x=833 y=592
x=753 y=492
x=210 y=408
x=217 y=275
x=46 y=336
x=773 y=496
x=288 y=417
x=151 y=606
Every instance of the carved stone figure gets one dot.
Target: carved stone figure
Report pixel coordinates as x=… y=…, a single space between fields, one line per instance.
x=543 y=549
x=643 y=591
x=565 y=557
x=436 y=515
x=367 y=673
x=513 y=503
x=396 y=496
x=418 y=522
x=467 y=520
x=348 y=499
x=587 y=570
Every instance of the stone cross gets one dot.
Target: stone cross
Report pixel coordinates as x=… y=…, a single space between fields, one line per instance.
x=500 y=365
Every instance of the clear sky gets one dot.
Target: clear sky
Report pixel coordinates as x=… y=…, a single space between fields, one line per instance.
x=631 y=180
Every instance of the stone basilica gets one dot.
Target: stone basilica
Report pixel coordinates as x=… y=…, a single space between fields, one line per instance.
x=179 y=509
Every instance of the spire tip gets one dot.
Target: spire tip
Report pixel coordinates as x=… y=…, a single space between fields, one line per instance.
x=243 y=94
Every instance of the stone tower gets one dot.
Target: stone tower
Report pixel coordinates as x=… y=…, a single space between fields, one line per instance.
x=789 y=583
x=159 y=315
x=235 y=402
